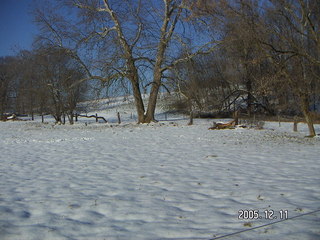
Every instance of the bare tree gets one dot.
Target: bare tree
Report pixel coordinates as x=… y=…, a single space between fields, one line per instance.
x=295 y=49
x=56 y=73
x=204 y=81
x=231 y=77
x=133 y=40
x=278 y=47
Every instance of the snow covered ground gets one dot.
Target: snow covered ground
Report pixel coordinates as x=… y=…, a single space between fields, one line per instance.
x=160 y=181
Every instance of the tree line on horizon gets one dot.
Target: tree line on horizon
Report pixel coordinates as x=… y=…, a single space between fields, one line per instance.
x=220 y=56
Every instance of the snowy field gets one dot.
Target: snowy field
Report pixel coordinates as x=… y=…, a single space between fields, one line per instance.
x=161 y=181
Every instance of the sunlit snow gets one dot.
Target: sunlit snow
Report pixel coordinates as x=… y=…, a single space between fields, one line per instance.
x=165 y=180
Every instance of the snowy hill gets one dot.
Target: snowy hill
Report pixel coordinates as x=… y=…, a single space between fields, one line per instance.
x=159 y=181
x=109 y=107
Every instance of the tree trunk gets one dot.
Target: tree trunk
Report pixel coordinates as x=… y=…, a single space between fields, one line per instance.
x=249 y=98
x=307 y=114
x=1 y=116
x=153 y=98
x=309 y=120
x=236 y=117
x=191 y=118
x=58 y=118
x=134 y=79
x=295 y=124
x=70 y=116
x=165 y=36
x=157 y=75
x=139 y=103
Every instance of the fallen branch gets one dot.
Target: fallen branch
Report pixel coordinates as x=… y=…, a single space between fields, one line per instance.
x=93 y=116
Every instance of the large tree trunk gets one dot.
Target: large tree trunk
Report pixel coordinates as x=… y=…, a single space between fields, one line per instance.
x=153 y=97
x=139 y=102
x=134 y=79
x=309 y=120
x=305 y=104
x=71 y=117
x=157 y=72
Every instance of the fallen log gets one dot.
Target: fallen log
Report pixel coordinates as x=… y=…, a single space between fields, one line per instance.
x=218 y=126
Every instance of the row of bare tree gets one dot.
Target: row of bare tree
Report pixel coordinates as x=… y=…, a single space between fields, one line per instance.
x=268 y=58
x=41 y=82
x=214 y=53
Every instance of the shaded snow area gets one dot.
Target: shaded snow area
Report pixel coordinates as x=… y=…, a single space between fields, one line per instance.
x=161 y=181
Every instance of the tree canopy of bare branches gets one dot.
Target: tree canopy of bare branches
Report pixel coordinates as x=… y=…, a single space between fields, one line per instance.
x=137 y=41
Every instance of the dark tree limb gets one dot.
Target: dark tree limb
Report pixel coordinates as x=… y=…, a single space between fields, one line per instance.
x=92 y=116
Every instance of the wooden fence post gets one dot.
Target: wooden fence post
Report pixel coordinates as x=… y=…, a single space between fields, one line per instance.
x=119 y=119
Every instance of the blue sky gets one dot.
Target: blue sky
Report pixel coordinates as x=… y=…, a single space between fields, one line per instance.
x=16 y=26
